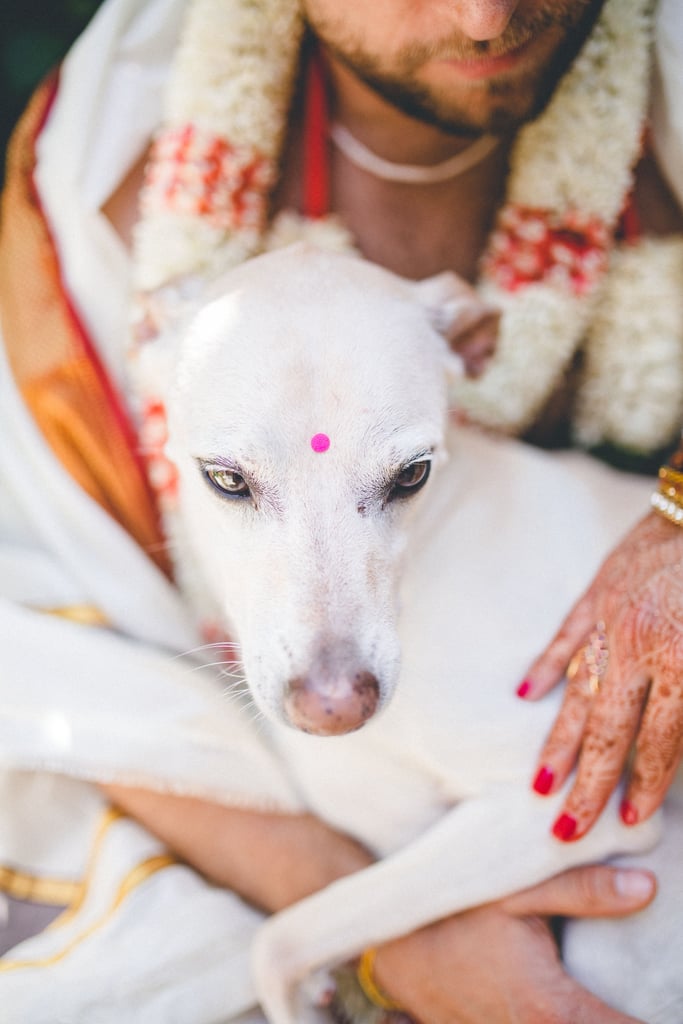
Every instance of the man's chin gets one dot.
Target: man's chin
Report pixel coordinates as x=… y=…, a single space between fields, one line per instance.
x=499 y=103
x=492 y=107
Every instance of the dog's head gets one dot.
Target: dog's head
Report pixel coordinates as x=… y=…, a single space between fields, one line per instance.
x=306 y=415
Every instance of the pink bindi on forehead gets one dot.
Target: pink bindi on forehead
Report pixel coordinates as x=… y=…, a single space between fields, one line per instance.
x=320 y=442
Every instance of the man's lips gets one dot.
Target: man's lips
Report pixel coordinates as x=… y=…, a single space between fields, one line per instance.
x=486 y=66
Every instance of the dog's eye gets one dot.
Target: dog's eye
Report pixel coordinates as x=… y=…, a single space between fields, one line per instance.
x=227 y=482
x=410 y=479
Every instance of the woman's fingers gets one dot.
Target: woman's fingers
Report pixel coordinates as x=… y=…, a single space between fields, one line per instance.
x=658 y=748
x=561 y=749
x=611 y=726
x=551 y=666
x=598 y=729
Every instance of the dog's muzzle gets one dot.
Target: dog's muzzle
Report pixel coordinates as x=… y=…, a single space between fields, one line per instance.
x=331 y=705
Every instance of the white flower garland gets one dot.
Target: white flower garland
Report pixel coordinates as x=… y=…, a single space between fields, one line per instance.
x=231 y=82
x=578 y=156
x=215 y=163
x=632 y=389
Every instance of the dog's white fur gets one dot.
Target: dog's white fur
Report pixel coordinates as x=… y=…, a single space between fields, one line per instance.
x=488 y=557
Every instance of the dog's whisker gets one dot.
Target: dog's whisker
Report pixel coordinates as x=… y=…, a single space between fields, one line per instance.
x=245 y=707
x=226 y=666
x=232 y=689
x=256 y=718
x=233 y=698
x=219 y=670
x=232 y=679
x=212 y=664
x=237 y=690
x=225 y=645
x=236 y=684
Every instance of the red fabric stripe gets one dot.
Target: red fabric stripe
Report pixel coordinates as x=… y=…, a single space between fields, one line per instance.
x=316 y=171
x=629 y=228
x=114 y=399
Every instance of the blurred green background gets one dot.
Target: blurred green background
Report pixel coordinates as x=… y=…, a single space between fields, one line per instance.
x=34 y=36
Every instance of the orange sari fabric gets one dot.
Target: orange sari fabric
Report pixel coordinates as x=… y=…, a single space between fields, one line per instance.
x=53 y=361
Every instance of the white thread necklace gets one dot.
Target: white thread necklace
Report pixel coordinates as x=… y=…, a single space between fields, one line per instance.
x=410 y=174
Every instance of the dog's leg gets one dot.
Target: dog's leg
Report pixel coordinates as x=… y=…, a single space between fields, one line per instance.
x=482 y=850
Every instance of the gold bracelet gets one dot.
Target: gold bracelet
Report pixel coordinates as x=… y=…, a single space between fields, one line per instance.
x=668 y=508
x=366 y=980
x=671 y=483
x=667 y=500
x=670 y=474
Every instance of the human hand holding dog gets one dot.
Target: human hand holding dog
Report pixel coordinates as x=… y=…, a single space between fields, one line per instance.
x=621 y=649
x=480 y=967
x=499 y=964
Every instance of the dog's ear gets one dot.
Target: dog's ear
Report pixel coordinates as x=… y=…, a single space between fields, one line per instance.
x=456 y=310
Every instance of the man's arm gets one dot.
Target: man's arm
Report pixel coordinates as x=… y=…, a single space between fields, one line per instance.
x=271 y=860
x=441 y=974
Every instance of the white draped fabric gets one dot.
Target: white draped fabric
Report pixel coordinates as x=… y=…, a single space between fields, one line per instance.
x=78 y=703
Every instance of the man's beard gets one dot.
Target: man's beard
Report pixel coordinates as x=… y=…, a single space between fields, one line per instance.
x=509 y=101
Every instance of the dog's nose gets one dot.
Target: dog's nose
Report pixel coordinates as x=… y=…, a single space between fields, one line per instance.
x=331 y=707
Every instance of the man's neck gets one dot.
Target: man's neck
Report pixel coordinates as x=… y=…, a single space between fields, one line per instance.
x=414 y=230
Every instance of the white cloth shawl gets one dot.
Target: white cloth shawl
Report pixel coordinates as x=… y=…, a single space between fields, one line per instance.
x=78 y=703
x=79 y=688
x=142 y=941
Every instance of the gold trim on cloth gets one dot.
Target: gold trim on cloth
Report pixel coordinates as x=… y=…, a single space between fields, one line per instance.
x=110 y=815
x=135 y=877
x=83 y=614
x=22 y=886
x=140 y=873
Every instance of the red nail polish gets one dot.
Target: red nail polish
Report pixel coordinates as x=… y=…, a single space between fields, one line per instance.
x=523 y=688
x=565 y=827
x=543 y=782
x=629 y=813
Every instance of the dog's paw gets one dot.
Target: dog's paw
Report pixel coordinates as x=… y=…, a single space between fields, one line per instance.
x=273 y=967
x=288 y=994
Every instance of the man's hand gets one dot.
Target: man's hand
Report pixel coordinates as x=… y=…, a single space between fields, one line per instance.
x=621 y=648
x=499 y=964
x=494 y=965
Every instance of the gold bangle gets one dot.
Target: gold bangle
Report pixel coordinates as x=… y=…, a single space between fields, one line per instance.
x=671 y=484
x=671 y=475
x=366 y=980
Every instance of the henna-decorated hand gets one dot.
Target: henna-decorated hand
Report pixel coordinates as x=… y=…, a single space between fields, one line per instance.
x=621 y=648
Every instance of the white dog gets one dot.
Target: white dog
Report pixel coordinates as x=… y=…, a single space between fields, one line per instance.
x=322 y=491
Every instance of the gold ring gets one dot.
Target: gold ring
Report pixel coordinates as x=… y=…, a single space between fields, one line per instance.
x=574 y=665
